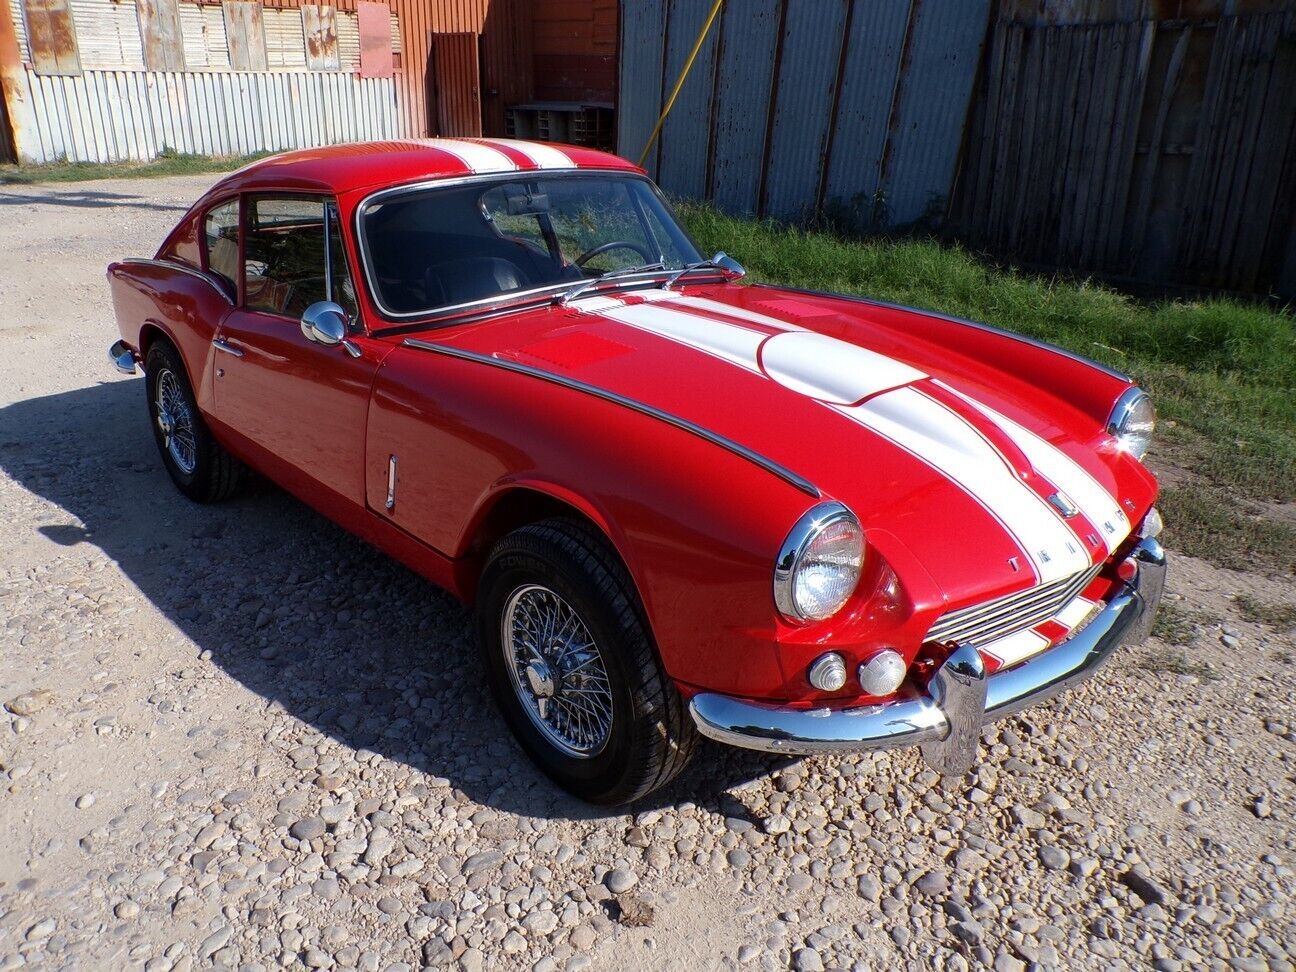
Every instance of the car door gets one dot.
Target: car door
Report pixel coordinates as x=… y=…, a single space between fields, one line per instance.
x=300 y=404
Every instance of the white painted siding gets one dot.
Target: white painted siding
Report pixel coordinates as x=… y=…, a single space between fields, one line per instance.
x=104 y=116
x=203 y=31
x=107 y=34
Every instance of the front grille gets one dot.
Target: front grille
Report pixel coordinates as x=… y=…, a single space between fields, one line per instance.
x=989 y=621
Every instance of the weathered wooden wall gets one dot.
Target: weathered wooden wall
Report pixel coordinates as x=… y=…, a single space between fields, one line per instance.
x=1157 y=151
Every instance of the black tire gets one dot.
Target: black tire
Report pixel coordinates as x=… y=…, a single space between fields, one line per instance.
x=215 y=474
x=651 y=736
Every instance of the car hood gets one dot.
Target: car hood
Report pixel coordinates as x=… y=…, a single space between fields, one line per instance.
x=964 y=453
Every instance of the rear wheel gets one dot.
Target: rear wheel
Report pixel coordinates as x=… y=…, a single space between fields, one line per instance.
x=573 y=666
x=198 y=465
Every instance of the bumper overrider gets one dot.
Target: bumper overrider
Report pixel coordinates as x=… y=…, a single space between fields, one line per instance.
x=946 y=721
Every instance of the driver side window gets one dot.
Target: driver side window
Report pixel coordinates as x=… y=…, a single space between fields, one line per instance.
x=293 y=256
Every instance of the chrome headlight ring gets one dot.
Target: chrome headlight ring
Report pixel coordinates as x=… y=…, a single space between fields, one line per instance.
x=1132 y=421
x=819 y=564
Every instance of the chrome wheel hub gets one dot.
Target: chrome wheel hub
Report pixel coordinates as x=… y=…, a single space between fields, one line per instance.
x=556 y=671
x=175 y=422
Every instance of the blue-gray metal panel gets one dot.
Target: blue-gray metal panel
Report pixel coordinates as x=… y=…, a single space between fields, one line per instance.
x=807 y=76
x=683 y=149
x=944 y=50
x=748 y=44
x=868 y=86
x=643 y=38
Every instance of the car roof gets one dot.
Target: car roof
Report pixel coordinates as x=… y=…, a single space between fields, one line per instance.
x=360 y=165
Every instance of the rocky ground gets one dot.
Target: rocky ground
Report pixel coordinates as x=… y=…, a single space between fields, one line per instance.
x=235 y=736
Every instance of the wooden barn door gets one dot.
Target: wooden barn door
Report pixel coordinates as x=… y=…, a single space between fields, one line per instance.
x=454 y=107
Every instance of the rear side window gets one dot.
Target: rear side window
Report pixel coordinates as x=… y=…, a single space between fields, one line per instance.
x=220 y=233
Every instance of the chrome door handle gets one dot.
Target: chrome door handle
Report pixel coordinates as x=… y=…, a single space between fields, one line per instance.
x=220 y=345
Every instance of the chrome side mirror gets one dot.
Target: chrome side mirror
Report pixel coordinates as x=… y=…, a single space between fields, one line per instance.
x=324 y=323
x=731 y=267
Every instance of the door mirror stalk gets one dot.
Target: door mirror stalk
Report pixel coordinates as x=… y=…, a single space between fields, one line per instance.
x=326 y=323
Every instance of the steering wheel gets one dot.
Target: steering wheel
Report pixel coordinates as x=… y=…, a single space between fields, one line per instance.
x=613 y=245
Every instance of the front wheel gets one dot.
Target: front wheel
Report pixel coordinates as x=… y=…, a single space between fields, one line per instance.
x=573 y=666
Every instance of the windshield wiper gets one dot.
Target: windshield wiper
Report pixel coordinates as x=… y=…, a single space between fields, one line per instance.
x=574 y=292
x=726 y=264
x=689 y=268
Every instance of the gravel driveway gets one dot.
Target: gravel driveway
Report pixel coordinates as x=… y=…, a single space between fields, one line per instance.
x=235 y=736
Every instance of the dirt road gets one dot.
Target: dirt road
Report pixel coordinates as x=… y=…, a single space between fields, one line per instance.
x=235 y=736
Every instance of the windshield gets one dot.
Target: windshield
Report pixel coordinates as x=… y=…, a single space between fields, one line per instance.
x=439 y=247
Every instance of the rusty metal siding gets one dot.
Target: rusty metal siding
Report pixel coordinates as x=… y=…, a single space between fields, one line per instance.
x=643 y=46
x=745 y=75
x=871 y=71
x=455 y=76
x=245 y=34
x=160 y=33
x=807 y=79
x=682 y=155
x=319 y=25
x=51 y=37
x=935 y=85
x=107 y=116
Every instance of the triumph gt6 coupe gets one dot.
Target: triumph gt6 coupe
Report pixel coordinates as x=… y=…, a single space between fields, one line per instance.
x=680 y=504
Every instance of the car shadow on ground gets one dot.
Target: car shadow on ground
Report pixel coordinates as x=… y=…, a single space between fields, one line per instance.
x=18 y=194
x=299 y=611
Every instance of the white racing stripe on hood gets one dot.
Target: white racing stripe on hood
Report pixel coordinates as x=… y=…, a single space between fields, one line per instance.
x=837 y=374
x=944 y=440
x=737 y=345
x=1098 y=506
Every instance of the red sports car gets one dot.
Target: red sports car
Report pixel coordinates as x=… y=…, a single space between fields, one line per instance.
x=681 y=505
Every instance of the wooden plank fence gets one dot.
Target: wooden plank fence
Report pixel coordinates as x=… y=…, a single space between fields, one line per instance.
x=1161 y=152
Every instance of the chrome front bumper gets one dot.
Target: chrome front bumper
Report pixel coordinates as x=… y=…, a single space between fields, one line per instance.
x=960 y=699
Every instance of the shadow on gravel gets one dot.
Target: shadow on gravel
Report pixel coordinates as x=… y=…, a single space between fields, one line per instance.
x=299 y=611
x=82 y=199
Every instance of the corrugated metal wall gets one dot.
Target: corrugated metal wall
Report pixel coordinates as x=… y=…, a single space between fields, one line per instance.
x=106 y=116
x=795 y=107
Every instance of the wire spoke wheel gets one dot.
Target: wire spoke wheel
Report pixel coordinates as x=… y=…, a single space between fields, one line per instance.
x=557 y=671
x=175 y=421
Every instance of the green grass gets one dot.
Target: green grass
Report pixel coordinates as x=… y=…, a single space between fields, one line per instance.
x=1174 y=625
x=1280 y=616
x=167 y=164
x=1222 y=373
x=1175 y=661
x=1211 y=523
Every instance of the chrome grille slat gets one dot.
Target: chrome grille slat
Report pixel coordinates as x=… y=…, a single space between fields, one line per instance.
x=981 y=624
x=992 y=613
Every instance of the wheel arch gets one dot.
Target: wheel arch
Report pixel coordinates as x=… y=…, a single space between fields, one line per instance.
x=514 y=504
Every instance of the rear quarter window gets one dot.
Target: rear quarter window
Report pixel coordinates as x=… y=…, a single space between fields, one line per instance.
x=220 y=241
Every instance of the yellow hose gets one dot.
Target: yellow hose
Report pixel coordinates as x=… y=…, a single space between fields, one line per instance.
x=679 y=82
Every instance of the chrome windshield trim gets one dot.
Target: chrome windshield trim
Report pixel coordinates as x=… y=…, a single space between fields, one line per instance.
x=203 y=275
x=979 y=325
x=782 y=472
x=435 y=314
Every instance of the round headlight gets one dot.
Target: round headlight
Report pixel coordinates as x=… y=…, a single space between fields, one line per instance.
x=820 y=564
x=1132 y=422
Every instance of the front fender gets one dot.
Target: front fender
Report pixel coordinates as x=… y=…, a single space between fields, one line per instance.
x=698 y=527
